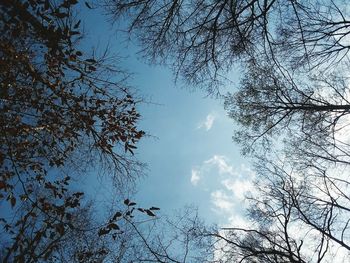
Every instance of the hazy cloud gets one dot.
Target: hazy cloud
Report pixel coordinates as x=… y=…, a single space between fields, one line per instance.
x=238 y=220
x=222 y=163
x=208 y=123
x=195 y=177
x=222 y=201
x=240 y=188
x=227 y=184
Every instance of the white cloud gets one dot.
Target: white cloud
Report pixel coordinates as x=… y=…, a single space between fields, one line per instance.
x=228 y=184
x=222 y=163
x=238 y=221
x=240 y=188
x=208 y=123
x=218 y=163
x=222 y=201
x=195 y=177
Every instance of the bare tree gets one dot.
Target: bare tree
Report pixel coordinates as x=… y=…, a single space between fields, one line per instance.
x=203 y=39
x=292 y=103
x=295 y=217
x=177 y=239
x=293 y=56
x=272 y=106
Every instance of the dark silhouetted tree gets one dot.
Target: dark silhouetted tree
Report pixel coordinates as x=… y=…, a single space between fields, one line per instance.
x=291 y=108
x=61 y=111
x=292 y=55
x=294 y=217
x=205 y=38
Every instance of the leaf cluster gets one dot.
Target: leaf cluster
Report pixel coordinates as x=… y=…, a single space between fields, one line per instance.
x=61 y=110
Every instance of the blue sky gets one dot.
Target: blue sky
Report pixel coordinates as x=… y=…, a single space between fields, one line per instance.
x=191 y=157
x=193 y=154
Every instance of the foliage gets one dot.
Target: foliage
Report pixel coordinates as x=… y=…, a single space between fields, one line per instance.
x=115 y=240
x=61 y=111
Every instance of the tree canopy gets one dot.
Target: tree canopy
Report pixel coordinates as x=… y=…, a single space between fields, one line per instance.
x=292 y=56
x=290 y=107
x=63 y=112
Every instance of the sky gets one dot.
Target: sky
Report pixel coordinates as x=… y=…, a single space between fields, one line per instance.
x=190 y=154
